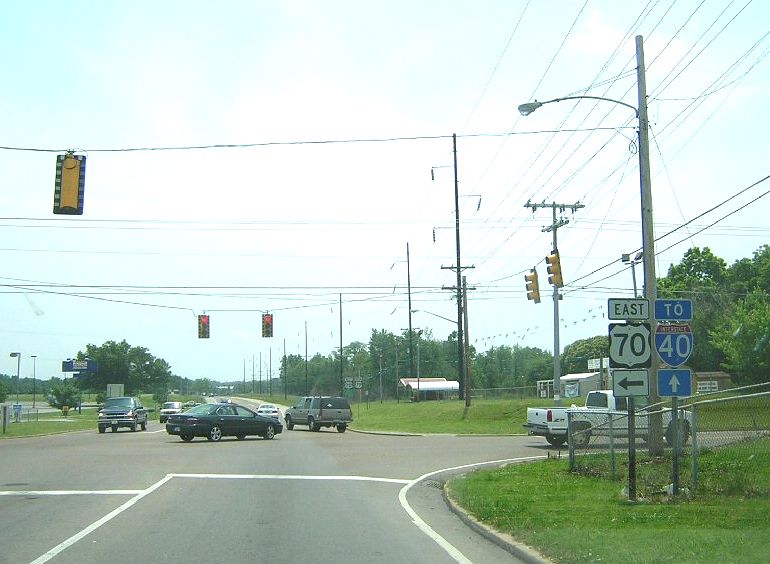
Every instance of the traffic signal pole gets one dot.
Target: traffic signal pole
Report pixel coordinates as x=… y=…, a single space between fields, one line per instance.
x=557 y=282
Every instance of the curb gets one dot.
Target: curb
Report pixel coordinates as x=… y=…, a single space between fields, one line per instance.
x=503 y=540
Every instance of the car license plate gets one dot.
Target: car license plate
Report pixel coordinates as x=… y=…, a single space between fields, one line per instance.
x=176 y=429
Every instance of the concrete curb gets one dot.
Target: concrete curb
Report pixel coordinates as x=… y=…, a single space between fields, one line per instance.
x=503 y=540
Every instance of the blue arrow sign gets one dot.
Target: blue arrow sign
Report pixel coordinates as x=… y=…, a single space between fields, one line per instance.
x=673 y=310
x=675 y=382
x=674 y=343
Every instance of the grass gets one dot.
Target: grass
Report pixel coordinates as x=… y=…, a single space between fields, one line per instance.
x=574 y=518
x=51 y=423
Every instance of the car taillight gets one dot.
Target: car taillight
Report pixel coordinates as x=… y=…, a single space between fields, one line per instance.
x=549 y=416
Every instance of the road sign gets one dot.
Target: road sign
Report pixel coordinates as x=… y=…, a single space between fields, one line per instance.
x=359 y=383
x=675 y=382
x=629 y=309
x=674 y=343
x=598 y=363
x=79 y=366
x=630 y=383
x=630 y=345
x=673 y=310
x=348 y=383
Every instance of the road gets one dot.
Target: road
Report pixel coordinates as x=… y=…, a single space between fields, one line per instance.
x=320 y=497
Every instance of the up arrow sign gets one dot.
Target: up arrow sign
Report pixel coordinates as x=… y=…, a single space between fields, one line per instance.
x=630 y=383
x=675 y=382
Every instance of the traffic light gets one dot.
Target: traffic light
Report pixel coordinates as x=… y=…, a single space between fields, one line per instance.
x=267 y=324
x=554 y=269
x=533 y=287
x=69 y=185
x=203 y=326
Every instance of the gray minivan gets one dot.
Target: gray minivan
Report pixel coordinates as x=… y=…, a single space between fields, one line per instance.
x=319 y=411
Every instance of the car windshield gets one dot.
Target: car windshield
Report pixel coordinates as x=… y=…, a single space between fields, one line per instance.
x=118 y=402
x=172 y=405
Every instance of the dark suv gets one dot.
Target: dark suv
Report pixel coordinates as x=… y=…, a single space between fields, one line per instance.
x=122 y=412
x=319 y=411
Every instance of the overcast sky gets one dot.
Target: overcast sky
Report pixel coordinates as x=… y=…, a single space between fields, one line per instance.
x=328 y=117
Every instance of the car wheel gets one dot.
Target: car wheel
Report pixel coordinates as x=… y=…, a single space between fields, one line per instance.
x=289 y=424
x=341 y=427
x=553 y=440
x=684 y=433
x=114 y=429
x=102 y=429
x=144 y=425
x=186 y=437
x=215 y=433
x=240 y=436
x=311 y=426
x=269 y=432
x=133 y=426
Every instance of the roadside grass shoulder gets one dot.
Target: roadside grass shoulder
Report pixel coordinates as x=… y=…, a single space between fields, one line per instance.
x=573 y=518
x=51 y=423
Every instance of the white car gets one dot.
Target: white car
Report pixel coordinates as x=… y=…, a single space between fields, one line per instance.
x=269 y=410
x=170 y=408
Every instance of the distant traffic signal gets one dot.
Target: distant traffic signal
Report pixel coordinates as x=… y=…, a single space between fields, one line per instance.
x=203 y=326
x=70 y=183
x=533 y=286
x=267 y=324
x=554 y=269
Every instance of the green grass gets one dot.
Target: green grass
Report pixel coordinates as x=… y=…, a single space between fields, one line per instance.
x=51 y=423
x=573 y=518
x=493 y=417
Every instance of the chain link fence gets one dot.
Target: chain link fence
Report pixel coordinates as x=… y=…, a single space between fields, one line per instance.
x=722 y=446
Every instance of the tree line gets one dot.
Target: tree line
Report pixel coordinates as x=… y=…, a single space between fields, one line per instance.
x=731 y=328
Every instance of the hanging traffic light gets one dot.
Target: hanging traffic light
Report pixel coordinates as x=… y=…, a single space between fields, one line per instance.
x=203 y=326
x=554 y=269
x=533 y=286
x=267 y=324
x=69 y=185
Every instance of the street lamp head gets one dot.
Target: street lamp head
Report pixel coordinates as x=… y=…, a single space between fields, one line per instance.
x=16 y=354
x=639 y=256
x=529 y=107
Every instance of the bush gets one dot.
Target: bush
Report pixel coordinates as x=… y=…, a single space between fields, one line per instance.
x=63 y=394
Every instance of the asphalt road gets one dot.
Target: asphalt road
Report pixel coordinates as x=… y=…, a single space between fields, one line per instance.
x=302 y=497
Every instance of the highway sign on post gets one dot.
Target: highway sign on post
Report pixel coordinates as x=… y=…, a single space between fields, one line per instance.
x=629 y=309
x=630 y=345
x=673 y=310
x=675 y=382
x=630 y=383
x=674 y=343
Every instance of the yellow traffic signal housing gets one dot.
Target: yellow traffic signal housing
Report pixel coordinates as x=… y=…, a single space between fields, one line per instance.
x=203 y=326
x=533 y=286
x=267 y=324
x=70 y=183
x=554 y=269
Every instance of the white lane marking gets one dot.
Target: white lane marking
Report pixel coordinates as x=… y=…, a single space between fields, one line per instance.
x=290 y=477
x=71 y=492
x=450 y=549
x=96 y=524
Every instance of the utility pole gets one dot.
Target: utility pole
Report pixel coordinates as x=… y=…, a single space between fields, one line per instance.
x=468 y=375
x=557 y=283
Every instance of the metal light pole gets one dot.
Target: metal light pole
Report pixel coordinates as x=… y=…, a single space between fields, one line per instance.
x=648 y=236
x=18 y=368
x=34 y=358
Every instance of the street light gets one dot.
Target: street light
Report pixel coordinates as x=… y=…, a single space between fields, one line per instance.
x=626 y=258
x=648 y=241
x=18 y=367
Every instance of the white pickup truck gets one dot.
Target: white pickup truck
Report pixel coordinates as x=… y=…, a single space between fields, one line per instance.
x=593 y=419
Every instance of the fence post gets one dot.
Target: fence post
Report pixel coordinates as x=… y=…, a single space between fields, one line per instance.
x=570 y=442
x=694 y=448
x=612 y=447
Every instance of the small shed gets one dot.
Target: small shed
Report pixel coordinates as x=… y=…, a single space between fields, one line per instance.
x=576 y=385
x=429 y=388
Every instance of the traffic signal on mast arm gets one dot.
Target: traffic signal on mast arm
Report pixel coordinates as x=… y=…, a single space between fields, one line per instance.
x=69 y=186
x=267 y=324
x=554 y=269
x=203 y=326
x=533 y=286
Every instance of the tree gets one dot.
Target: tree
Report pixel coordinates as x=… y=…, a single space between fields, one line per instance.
x=64 y=393
x=3 y=391
x=120 y=363
x=576 y=355
x=743 y=339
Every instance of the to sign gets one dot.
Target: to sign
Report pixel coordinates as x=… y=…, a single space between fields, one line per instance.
x=674 y=343
x=675 y=383
x=673 y=310
x=630 y=345
x=630 y=383
x=630 y=309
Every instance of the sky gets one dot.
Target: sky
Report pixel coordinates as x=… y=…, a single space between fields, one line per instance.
x=246 y=157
